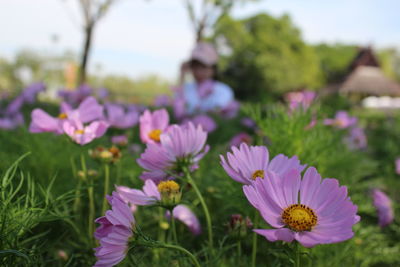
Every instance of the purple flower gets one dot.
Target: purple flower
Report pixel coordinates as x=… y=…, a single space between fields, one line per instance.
x=152 y=125
x=82 y=134
x=114 y=232
x=206 y=122
x=302 y=99
x=102 y=93
x=231 y=110
x=150 y=195
x=248 y=163
x=240 y=138
x=308 y=210
x=30 y=93
x=342 y=120
x=118 y=118
x=15 y=105
x=397 y=163
x=87 y=111
x=11 y=122
x=120 y=140
x=249 y=123
x=162 y=101
x=186 y=216
x=383 y=206
x=180 y=147
x=74 y=97
x=357 y=139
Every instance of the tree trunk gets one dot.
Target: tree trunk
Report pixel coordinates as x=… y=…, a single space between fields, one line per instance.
x=85 y=53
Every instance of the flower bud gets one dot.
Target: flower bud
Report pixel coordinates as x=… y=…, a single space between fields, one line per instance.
x=170 y=193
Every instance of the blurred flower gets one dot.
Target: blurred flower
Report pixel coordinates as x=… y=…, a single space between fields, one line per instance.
x=179 y=106
x=120 y=140
x=302 y=99
x=30 y=93
x=357 y=139
x=206 y=122
x=135 y=149
x=240 y=138
x=383 y=206
x=150 y=195
x=231 y=110
x=249 y=123
x=248 y=163
x=186 y=216
x=114 y=232
x=87 y=111
x=10 y=122
x=181 y=147
x=106 y=155
x=308 y=210
x=15 y=105
x=312 y=123
x=102 y=93
x=74 y=97
x=62 y=254
x=162 y=101
x=82 y=134
x=342 y=120
x=118 y=118
x=152 y=125
x=239 y=226
x=397 y=163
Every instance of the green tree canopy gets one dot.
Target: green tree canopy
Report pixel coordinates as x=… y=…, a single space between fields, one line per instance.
x=264 y=55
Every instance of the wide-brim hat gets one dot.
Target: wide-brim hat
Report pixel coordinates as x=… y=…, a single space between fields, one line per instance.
x=204 y=53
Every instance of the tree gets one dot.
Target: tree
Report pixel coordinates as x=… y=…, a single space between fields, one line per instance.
x=265 y=55
x=335 y=60
x=204 y=14
x=92 y=12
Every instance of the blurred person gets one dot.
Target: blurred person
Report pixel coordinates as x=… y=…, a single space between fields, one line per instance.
x=204 y=93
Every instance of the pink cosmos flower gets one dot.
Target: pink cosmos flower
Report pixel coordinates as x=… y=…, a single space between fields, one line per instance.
x=397 y=163
x=10 y=122
x=87 y=111
x=206 y=122
x=231 y=110
x=181 y=146
x=383 y=205
x=152 y=125
x=114 y=232
x=247 y=163
x=162 y=101
x=118 y=118
x=357 y=139
x=149 y=195
x=342 y=120
x=308 y=210
x=75 y=97
x=30 y=93
x=82 y=134
x=302 y=99
x=240 y=138
x=120 y=140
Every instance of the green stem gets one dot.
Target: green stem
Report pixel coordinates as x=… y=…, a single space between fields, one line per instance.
x=181 y=249
x=106 y=186
x=239 y=250
x=91 y=198
x=77 y=201
x=297 y=254
x=204 y=206
x=173 y=228
x=254 y=249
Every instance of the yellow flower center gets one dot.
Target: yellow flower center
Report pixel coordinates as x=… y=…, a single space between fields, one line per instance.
x=62 y=116
x=258 y=173
x=168 y=187
x=299 y=217
x=79 y=131
x=155 y=135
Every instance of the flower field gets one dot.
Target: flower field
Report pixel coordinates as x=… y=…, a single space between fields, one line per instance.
x=305 y=181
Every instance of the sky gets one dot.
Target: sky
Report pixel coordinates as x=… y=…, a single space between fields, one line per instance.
x=141 y=37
